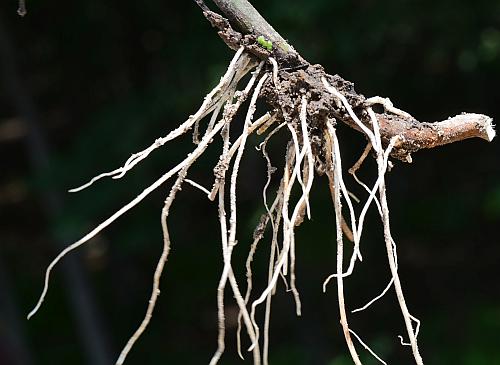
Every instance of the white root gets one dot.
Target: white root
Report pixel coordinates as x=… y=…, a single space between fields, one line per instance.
x=240 y=65
x=340 y=247
x=198 y=186
x=213 y=119
x=288 y=228
x=382 y=162
x=391 y=252
x=345 y=103
x=347 y=196
x=193 y=156
x=356 y=231
x=270 y=168
x=275 y=71
x=248 y=265
x=367 y=348
x=417 y=329
x=234 y=175
x=229 y=114
x=388 y=106
x=362 y=215
x=223 y=229
x=228 y=241
x=275 y=227
x=374 y=299
x=283 y=256
x=337 y=181
x=299 y=156
x=274 y=250
x=275 y=224
x=255 y=125
x=262 y=226
x=299 y=167
x=304 y=199
x=159 y=267
x=306 y=144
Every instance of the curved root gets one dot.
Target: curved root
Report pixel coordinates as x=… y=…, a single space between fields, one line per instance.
x=285 y=213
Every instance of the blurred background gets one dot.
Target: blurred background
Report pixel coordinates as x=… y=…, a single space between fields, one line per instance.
x=84 y=84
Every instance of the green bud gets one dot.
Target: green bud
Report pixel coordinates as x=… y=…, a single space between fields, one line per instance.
x=265 y=43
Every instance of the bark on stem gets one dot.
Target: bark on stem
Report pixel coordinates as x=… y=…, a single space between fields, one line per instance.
x=248 y=19
x=429 y=135
x=393 y=122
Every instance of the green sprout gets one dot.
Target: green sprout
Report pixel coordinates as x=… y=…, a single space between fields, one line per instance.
x=265 y=43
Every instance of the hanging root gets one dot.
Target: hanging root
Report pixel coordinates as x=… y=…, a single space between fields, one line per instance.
x=258 y=234
x=391 y=252
x=240 y=65
x=229 y=240
x=283 y=215
x=159 y=267
x=313 y=139
x=334 y=178
x=382 y=163
x=275 y=220
x=189 y=160
x=272 y=255
x=367 y=348
x=304 y=199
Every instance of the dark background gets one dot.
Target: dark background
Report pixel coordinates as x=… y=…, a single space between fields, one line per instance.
x=86 y=83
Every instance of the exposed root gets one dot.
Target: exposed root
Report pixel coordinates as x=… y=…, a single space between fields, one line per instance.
x=388 y=106
x=361 y=159
x=374 y=299
x=348 y=108
x=229 y=241
x=230 y=111
x=283 y=256
x=275 y=71
x=367 y=348
x=306 y=145
x=313 y=139
x=239 y=66
x=272 y=255
x=193 y=156
x=159 y=267
x=212 y=121
x=335 y=157
x=299 y=155
x=258 y=234
x=304 y=199
x=223 y=229
x=198 y=186
x=270 y=168
x=417 y=329
x=334 y=164
x=391 y=252
x=276 y=207
x=382 y=162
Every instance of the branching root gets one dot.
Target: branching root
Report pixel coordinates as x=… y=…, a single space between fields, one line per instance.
x=313 y=148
